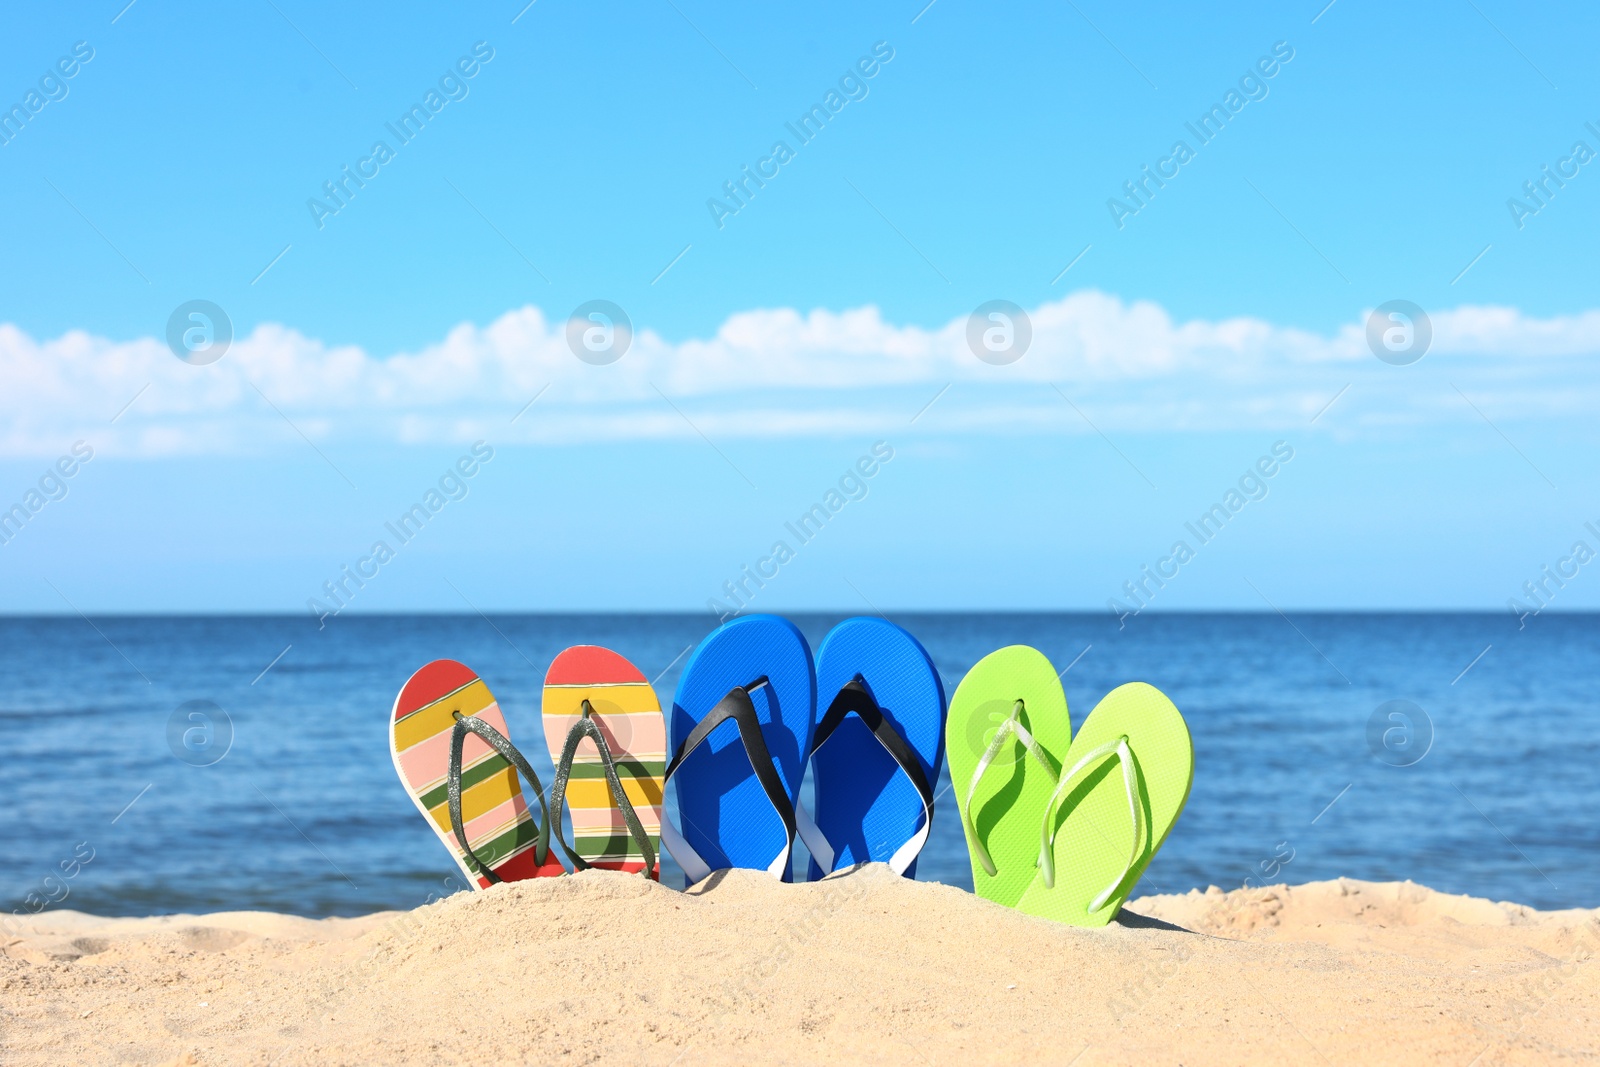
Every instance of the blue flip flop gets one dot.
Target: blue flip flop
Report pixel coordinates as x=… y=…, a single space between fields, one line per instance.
x=877 y=748
x=739 y=734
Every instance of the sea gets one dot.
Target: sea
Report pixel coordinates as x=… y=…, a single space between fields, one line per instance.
x=1459 y=751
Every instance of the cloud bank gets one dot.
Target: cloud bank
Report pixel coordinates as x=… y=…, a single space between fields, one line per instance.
x=1124 y=366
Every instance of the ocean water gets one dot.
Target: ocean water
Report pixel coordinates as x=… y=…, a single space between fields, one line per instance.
x=1485 y=781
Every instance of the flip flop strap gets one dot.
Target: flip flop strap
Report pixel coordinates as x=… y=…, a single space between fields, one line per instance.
x=586 y=727
x=1124 y=754
x=738 y=707
x=498 y=741
x=1012 y=727
x=854 y=698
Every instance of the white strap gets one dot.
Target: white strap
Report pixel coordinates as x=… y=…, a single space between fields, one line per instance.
x=822 y=850
x=815 y=840
x=906 y=854
x=1047 y=862
x=694 y=868
x=780 y=866
x=1011 y=727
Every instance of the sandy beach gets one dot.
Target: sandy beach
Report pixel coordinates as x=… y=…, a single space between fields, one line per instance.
x=861 y=967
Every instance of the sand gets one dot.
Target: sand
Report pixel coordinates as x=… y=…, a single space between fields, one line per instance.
x=863 y=967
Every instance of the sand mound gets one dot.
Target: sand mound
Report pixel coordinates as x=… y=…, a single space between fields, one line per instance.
x=1381 y=904
x=862 y=967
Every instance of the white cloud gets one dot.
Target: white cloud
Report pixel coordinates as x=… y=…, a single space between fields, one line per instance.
x=777 y=373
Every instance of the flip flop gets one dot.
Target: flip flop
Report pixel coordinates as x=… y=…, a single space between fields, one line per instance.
x=452 y=752
x=603 y=724
x=1007 y=733
x=876 y=750
x=740 y=730
x=1126 y=781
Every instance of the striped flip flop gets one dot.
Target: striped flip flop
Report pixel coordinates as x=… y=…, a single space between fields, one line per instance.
x=604 y=727
x=454 y=757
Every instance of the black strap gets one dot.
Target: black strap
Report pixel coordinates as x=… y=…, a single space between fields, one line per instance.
x=586 y=727
x=500 y=743
x=854 y=698
x=738 y=707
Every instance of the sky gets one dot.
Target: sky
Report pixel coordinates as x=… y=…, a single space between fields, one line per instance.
x=278 y=276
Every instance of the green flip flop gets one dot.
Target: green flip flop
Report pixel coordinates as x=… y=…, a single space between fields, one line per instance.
x=1125 y=782
x=1005 y=737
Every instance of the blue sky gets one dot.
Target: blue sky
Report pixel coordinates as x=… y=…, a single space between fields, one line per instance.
x=374 y=345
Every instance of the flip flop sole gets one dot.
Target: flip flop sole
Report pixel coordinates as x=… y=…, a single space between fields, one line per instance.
x=1008 y=804
x=865 y=805
x=493 y=813
x=1094 y=831
x=723 y=813
x=628 y=714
